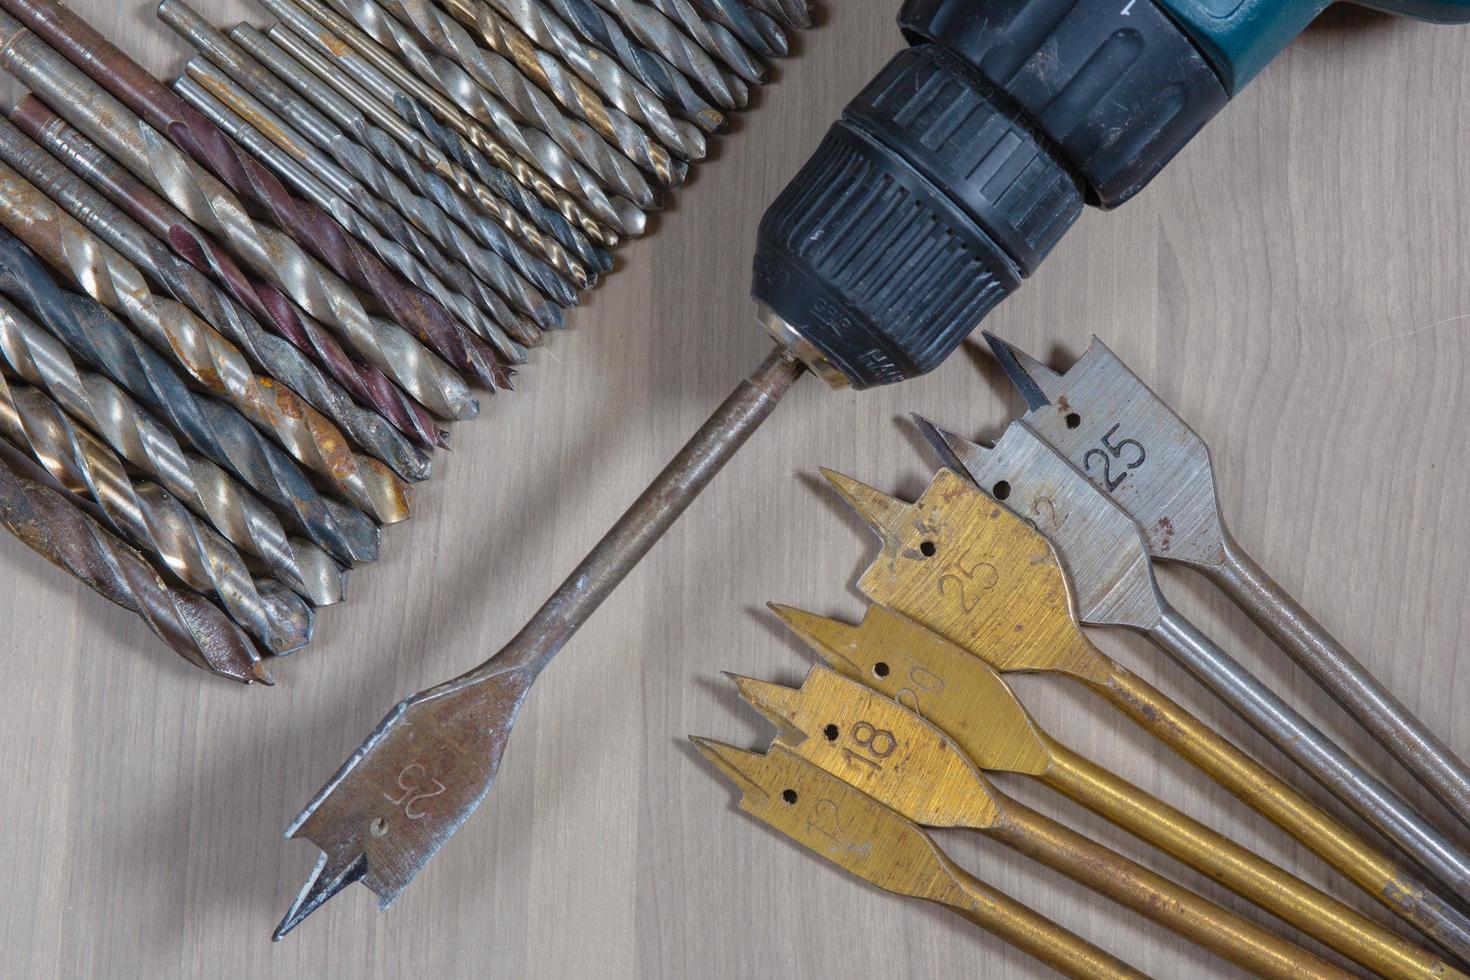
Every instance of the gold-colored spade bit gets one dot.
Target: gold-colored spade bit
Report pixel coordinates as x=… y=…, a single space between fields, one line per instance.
x=943 y=686
x=911 y=767
x=866 y=838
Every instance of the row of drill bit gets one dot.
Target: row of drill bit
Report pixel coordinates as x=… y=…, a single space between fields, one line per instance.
x=236 y=313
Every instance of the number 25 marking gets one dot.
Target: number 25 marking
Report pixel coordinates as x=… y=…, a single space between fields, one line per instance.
x=983 y=576
x=414 y=779
x=1139 y=454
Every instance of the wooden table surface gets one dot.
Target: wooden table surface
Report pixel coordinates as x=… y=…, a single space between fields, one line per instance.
x=1294 y=285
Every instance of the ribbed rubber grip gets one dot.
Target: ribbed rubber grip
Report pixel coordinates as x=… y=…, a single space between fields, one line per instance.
x=921 y=210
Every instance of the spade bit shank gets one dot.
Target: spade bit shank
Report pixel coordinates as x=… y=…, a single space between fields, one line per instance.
x=431 y=761
x=1164 y=480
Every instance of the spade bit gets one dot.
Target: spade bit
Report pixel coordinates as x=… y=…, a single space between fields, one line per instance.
x=864 y=837
x=968 y=701
x=907 y=764
x=1110 y=425
x=1113 y=584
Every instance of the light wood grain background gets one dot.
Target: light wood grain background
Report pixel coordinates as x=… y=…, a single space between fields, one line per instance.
x=1294 y=284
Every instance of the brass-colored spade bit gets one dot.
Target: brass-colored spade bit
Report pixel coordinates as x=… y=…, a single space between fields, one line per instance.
x=1104 y=419
x=907 y=764
x=871 y=841
x=959 y=695
x=1112 y=580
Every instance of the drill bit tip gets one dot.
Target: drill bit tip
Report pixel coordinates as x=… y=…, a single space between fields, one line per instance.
x=877 y=509
x=320 y=886
x=826 y=637
x=956 y=452
x=731 y=761
x=1023 y=370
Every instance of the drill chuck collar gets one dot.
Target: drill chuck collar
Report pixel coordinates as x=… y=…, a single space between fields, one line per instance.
x=954 y=172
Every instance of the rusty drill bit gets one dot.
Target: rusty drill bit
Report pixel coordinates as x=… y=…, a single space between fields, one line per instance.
x=150 y=518
x=536 y=24
x=518 y=88
x=603 y=31
x=59 y=531
x=309 y=183
x=283 y=361
x=717 y=39
x=367 y=62
x=795 y=13
x=214 y=428
x=652 y=28
x=432 y=172
x=270 y=306
x=208 y=358
x=269 y=252
x=426 y=214
x=117 y=74
x=757 y=29
x=29 y=353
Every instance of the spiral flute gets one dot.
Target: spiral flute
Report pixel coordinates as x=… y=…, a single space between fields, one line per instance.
x=206 y=201
x=603 y=31
x=334 y=201
x=502 y=78
x=652 y=28
x=426 y=167
x=283 y=361
x=31 y=354
x=214 y=428
x=795 y=13
x=189 y=624
x=713 y=36
x=757 y=29
x=540 y=26
x=150 y=518
x=197 y=348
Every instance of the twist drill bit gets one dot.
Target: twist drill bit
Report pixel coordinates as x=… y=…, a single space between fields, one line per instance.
x=125 y=79
x=796 y=13
x=211 y=360
x=283 y=361
x=878 y=845
x=652 y=28
x=206 y=201
x=426 y=167
x=715 y=38
x=1171 y=496
x=919 y=774
x=214 y=428
x=307 y=18
x=426 y=214
x=971 y=703
x=603 y=31
x=58 y=530
x=152 y=519
x=757 y=29
x=334 y=201
x=502 y=78
x=954 y=529
x=1113 y=583
x=540 y=26
x=491 y=115
x=41 y=360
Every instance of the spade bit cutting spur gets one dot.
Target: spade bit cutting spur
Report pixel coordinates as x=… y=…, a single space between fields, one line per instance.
x=1103 y=418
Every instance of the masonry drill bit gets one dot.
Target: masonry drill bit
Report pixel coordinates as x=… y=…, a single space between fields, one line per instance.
x=334 y=199
x=124 y=78
x=426 y=214
x=536 y=24
x=492 y=115
x=912 y=768
x=603 y=31
x=214 y=428
x=970 y=703
x=368 y=64
x=1168 y=488
x=796 y=13
x=211 y=360
x=655 y=30
x=189 y=624
x=757 y=29
x=31 y=354
x=150 y=518
x=206 y=201
x=276 y=356
x=956 y=545
x=1113 y=585
x=715 y=37
x=869 y=840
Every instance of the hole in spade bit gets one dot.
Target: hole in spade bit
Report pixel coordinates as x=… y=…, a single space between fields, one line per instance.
x=830 y=732
x=880 y=669
x=378 y=827
x=1073 y=420
x=789 y=795
x=927 y=549
x=1001 y=490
